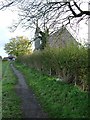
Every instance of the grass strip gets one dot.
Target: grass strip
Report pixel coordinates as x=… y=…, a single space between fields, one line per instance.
x=10 y=101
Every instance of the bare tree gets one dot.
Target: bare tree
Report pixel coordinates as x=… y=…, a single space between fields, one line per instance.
x=50 y=13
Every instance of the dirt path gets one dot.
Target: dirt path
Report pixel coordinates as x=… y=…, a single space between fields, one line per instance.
x=30 y=106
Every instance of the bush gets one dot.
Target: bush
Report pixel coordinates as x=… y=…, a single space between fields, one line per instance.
x=68 y=63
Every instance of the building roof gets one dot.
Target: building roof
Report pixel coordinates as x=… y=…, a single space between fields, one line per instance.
x=61 y=38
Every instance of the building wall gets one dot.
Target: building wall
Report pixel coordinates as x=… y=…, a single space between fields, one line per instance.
x=37 y=43
x=61 y=38
x=37 y=38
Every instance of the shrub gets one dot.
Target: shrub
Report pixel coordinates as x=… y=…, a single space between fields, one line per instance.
x=68 y=63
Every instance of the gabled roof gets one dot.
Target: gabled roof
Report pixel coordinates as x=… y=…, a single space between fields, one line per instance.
x=61 y=38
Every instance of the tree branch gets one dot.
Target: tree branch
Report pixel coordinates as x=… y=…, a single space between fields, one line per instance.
x=5 y=6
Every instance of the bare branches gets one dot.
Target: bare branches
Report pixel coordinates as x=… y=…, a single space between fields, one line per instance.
x=77 y=6
x=49 y=14
x=7 y=5
x=81 y=12
x=4 y=4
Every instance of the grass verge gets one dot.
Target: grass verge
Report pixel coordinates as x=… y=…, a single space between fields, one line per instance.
x=58 y=99
x=0 y=89
x=10 y=101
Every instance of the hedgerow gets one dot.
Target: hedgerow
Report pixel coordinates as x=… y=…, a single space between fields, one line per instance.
x=68 y=63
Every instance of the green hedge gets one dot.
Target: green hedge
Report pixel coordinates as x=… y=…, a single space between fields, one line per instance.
x=67 y=63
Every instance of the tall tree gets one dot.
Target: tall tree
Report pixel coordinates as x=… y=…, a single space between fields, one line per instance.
x=18 y=46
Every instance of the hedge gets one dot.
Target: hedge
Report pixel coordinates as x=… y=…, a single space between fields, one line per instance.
x=68 y=63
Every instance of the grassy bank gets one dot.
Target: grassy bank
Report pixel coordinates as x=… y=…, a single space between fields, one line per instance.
x=10 y=101
x=59 y=100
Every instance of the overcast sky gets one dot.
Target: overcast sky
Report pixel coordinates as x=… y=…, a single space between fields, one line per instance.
x=6 y=19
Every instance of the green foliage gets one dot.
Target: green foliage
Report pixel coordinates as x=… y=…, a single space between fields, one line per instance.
x=69 y=63
x=10 y=101
x=18 y=46
x=59 y=100
x=44 y=37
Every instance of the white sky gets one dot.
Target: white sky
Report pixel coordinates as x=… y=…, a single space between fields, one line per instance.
x=6 y=19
